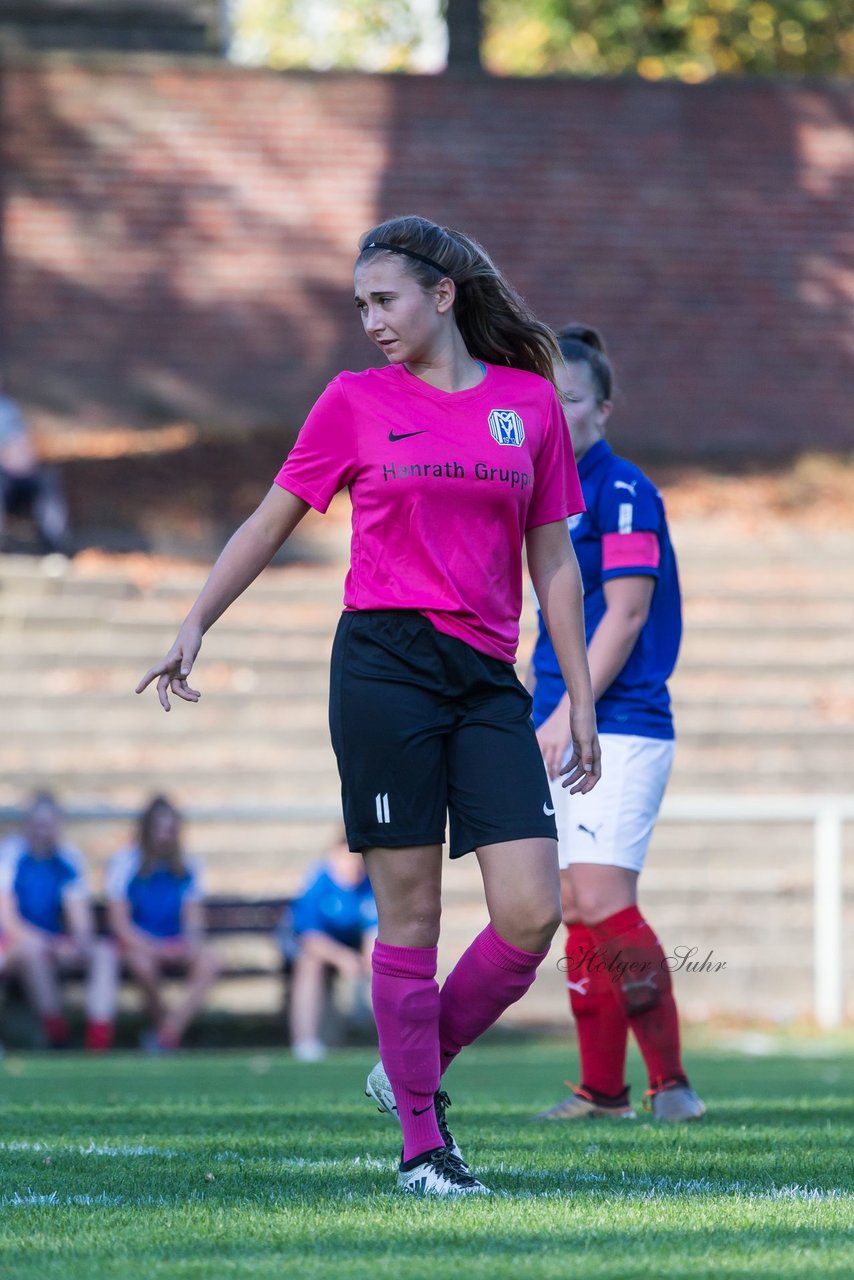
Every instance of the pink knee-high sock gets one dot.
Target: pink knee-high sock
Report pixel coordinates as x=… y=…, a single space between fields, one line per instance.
x=406 y=1009
x=488 y=977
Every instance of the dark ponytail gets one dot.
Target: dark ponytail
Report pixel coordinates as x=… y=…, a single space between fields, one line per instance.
x=579 y=344
x=495 y=322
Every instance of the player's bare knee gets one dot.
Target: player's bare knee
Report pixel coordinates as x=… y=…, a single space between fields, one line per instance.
x=593 y=904
x=421 y=930
x=569 y=912
x=531 y=930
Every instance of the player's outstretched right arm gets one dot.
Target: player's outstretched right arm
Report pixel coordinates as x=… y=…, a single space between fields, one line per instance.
x=247 y=552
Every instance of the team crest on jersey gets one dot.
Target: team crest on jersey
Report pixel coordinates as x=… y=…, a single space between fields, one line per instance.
x=505 y=427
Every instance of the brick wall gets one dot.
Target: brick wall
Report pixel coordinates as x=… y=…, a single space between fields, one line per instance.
x=179 y=236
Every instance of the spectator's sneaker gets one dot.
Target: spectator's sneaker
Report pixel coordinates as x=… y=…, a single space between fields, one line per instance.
x=581 y=1104
x=151 y=1044
x=378 y=1087
x=675 y=1101
x=309 y=1050
x=438 y=1173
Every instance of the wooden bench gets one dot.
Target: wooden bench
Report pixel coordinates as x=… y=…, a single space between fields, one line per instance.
x=227 y=917
x=230 y=918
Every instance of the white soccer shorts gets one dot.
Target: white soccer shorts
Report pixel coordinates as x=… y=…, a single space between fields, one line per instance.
x=612 y=824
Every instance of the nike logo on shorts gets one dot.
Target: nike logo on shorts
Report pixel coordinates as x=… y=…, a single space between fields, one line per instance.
x=547 y=811
x=416 y=1112
x=404 y=435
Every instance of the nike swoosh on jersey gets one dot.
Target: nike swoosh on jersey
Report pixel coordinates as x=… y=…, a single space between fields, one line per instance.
x=547 y=811
x=404 y=435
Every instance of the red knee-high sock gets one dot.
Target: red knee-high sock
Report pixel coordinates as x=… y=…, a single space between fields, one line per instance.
x=406 y=1010
x=603 y=1028
x=644 y=988
x=56 y=1029
x=490 y=976
x=99 y=1036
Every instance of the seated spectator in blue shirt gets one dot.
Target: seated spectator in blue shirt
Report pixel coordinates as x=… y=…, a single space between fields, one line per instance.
x=334 y=920
x=27 y=487
x=155 y=909
x=47 y=925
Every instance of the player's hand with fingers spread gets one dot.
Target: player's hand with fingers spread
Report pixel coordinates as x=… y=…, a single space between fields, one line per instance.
x=173 y=671
x=584 y=767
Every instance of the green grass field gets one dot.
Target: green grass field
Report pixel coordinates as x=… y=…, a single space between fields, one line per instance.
x=221 y=1165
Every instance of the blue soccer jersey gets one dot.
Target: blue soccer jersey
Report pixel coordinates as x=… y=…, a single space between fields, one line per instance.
x=156 y=899
x=41 y=885
x=343 y=912
x=623 y=533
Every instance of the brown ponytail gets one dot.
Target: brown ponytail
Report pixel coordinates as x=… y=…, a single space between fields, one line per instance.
x=496 y=324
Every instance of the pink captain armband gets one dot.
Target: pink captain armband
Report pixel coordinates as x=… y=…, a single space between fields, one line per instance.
x=630 y=551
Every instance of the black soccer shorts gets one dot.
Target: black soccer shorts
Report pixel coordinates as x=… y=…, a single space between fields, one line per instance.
x=423 y=725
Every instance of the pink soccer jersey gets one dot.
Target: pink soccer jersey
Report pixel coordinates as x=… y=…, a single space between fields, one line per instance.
x=443 y=486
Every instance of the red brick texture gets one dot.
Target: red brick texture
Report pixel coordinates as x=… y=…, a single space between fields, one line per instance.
x=178 y=238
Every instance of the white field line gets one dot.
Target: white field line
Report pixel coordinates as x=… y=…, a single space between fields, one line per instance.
x=30 y=1199
x=641 y=1187
x=93 y=1149
x=648 y=1188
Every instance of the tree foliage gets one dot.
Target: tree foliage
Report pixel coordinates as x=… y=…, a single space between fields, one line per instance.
x=689 y=39
x=693 y=40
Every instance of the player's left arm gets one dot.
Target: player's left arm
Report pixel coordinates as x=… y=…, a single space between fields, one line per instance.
x=627 y=603
x=629 y=513
x=557 y=582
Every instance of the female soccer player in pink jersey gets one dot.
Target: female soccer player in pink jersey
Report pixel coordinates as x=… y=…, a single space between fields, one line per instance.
x=455 y=455
x=616 y=970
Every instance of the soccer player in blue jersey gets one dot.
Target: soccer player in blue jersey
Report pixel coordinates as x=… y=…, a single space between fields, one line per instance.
x=47 y=925
x=616 y=971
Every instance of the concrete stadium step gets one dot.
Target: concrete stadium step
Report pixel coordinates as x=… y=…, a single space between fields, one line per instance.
x=252 y=745
x=129 y=784
x=96 y=643
x=290 y=717
x=67 y=677
x=300 y=710
x=281 y=658
x=685 y=856
x=763 y=697
x=800 y=645
x=230 y=686
x=288 y=599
